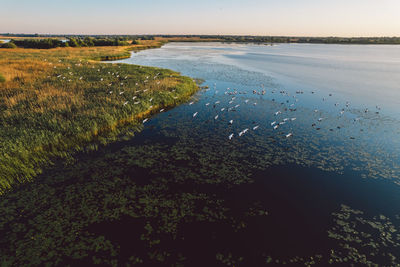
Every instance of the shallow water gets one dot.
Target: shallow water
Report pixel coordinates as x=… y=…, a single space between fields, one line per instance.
x=357 y=151
x=181 y=191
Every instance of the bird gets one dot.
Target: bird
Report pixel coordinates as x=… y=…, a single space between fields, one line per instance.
x=126 y=103
x=273 y=123
x=195 y=114
x=255 y=127
x=145 y=120
x=230 y=136
x=207 y=104
x=222 y=109
x=276 y=127
x=191 y=103
x=289 y=135
x=216 y=117
x=231 y=122
x=161 y=110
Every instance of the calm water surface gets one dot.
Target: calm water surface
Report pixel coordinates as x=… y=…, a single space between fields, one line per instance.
x=342 y=159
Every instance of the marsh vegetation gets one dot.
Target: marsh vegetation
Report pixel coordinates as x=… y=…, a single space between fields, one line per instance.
x=59 y=101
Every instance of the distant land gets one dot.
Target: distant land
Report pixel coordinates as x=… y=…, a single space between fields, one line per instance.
x=224 y=38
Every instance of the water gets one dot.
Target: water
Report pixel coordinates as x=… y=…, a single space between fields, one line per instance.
x=181 y=192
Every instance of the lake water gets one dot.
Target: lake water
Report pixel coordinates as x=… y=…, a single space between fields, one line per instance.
x=323 y=187
x=341 y=164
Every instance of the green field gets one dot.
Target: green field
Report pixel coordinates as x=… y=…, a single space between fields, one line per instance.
x=58 y=101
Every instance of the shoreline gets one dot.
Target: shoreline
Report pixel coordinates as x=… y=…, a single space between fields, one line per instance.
x=86 y=128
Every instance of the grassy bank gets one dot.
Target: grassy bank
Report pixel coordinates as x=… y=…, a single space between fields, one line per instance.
x=59 y=101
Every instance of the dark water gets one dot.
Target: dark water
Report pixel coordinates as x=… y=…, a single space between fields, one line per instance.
x=182 y=192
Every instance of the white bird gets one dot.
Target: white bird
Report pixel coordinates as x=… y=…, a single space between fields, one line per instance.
x=246 y=101
x=121 y=93
x=277 y=113
x=216 y=117
x=230 y=102
x=126 y=103
x=133 y=98
x=237 y=106
x=255 y=127
x=151 y=99
x=195 y=114
x=231 y=122
x=207 y=104
x=222 y=109
x=145 y=120
x=293 y=119
x=273 y=123
x=289 y=135
x=217 y=102
x=320 y=119
x=136 y=102
x=276 y=127
x=230 y=136
x=161 y=110
x=110 y=92
x=285 y=119
x=191 y=103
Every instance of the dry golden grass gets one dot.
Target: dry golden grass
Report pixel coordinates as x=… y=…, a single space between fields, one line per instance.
x=57 y=101
x=26 y=64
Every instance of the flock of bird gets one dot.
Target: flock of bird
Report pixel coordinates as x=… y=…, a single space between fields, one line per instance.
x=233 y=104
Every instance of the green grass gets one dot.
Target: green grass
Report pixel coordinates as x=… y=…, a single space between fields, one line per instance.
x=63 y=106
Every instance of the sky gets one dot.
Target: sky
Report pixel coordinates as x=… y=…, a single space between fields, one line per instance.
x=234 y=17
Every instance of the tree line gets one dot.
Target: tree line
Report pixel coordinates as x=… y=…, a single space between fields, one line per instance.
x=70 y=42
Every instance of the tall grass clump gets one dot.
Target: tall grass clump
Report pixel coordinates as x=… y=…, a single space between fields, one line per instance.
x=57 y=102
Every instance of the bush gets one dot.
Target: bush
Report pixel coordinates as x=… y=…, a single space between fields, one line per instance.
x=41 y=43
x=8 y=45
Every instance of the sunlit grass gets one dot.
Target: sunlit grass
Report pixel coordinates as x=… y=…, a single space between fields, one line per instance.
x=57 y=101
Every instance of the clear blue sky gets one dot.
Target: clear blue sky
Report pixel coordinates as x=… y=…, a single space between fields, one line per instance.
x=253 y=17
